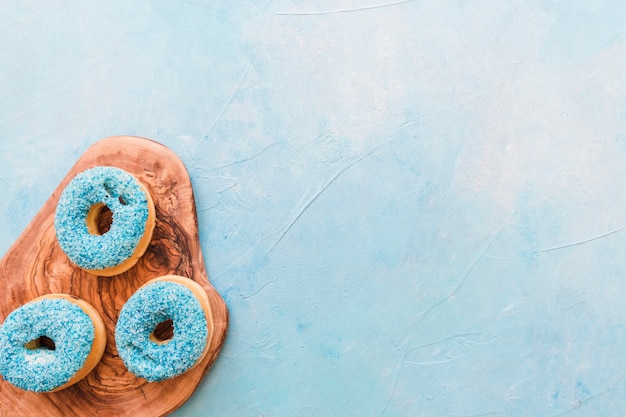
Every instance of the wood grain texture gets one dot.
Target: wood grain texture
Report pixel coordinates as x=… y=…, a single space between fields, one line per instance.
x=35 y=265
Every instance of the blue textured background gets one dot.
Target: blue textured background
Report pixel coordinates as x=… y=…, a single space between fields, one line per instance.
x=411 y=209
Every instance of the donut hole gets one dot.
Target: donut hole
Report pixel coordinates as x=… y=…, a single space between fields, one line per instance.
x=42 y=342
x=99 y=219
x=163 y=332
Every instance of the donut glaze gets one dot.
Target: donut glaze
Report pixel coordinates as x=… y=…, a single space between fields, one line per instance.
x=78 y=337
x=174 y=298
x=119 y=248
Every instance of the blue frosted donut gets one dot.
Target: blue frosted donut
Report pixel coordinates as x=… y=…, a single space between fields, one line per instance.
x=178 y=299
x=132 y=209
x=78 y=343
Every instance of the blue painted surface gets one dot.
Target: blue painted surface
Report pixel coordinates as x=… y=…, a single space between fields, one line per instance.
x=411 y=208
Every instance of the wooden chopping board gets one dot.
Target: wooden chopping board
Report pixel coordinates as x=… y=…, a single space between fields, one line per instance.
x=35 y=265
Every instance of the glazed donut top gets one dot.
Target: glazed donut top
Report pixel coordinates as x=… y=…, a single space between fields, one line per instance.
x=126 y=199
x=40 y=369
x=149 y=306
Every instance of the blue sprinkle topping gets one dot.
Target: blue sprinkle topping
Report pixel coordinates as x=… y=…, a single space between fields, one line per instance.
x=144 y=310
x=41 y=369
x=123 y=195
